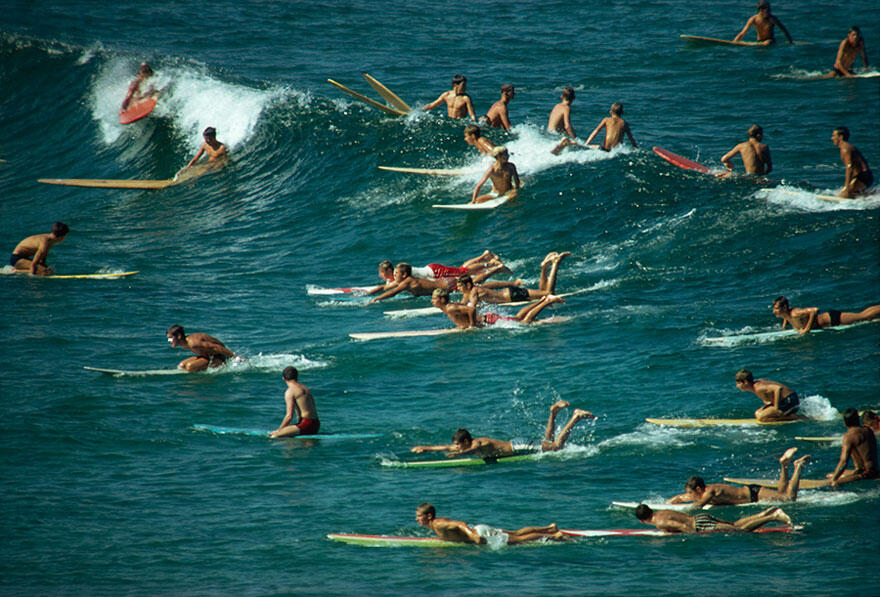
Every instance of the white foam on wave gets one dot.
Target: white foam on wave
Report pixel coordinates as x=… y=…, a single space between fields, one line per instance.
x=801 y=74
x=803 y=200
x=818 y=408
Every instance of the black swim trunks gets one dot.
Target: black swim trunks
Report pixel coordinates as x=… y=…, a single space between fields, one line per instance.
x=840 y=73
x=865 y=177
x=13 y=259
x=790 y=404
x=753 y=492
x=834 y=316
x=518 y=294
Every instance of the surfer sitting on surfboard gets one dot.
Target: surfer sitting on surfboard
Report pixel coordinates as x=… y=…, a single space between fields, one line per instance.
x=134 y=90
x=209 y=350
x=763 y=23
x=560 y=120
x=512 y=292
x=298 y=400
x=497 y=116
x=458 y=102
x=473 y=136
x=461 y=532
x=505 y=178
x=466 y=316
x=858 y=174
x=860 y=444
x=216 y=151
x=780 y=402
x=680 y=522
x=850 y=48
x=487 y=447
x=805 y=319
x=615 y=127
x=755 y=154
x=30 y=254
x=722 y=494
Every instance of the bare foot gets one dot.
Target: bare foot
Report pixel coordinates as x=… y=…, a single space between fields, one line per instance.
x=802 y=460
x=560 y=536
x=561 y=256
x=782 y=516
x=550 y=256
x=518 y=282
x=580 y=413
x=552 y=527
x=559 y=406
x=552 y=298
x=787 y=456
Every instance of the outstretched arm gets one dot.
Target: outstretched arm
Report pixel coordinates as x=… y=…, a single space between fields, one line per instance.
x=745 y=29
x=681 y=498
x=439 y=448
x=197 y=156
x=729 y=156
x=595 y=131
x=845 y=451
x=436 y=102
x=394 y=291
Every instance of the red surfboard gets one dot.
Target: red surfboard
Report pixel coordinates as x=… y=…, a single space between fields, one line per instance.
x=136 y=111
x=680 y=161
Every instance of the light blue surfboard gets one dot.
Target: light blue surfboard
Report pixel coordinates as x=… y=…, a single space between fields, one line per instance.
x=265 y=433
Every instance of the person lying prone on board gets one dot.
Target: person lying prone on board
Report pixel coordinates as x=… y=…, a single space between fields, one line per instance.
x=466 y=316
x=512 y=292
x=30 y=254
x=216 y=151
x=209 y=350
x=405 y=281
x=483 y=265
x=480 y=534
x=487 y=447
x=805 y=319
x=681 y=522
x=505 y=179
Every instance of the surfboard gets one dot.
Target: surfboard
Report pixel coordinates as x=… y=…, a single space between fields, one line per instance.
x=319 y=290
x=484 y=206
x=773 y=483
x=681 y=161
x=107 y=276
x=777 y=334
x=366 y=100
x=830 y=438
x=137 y=110
x=142 y=373
x=428 y=171
x=712 y=422
x=392 y=541
x=184 y=175
x=832 y=198
x=444 y=331
x=265 y=433
x=398 y=313
x=659 y=533
x=658 y=506
x=458 y=462
x=698 y=39
x=388 y=95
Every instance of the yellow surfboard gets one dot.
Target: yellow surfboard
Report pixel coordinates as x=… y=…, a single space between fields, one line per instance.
x=773 y=483
x=711 y=422
x=184 y=175
x=388 y=95
x=367 y=100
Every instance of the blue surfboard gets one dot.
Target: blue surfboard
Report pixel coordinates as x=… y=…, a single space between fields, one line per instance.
x=265 y=433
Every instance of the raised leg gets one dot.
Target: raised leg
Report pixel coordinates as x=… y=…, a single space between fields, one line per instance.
x=794 y=484
x=784 y=461
x=554 y=269
x=756 y=521
x=550 y=430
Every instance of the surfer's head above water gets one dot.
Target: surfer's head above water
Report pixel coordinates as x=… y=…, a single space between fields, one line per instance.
x=210 y=132
x=462 y=437
x=756 y=132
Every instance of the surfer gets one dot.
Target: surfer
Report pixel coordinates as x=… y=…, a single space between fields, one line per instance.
x=209 y=350
x=722 y=494
x=487 y=447
x=497 y=116
x=480 y=534
x=780 y=402
x=134 y=90
x=444 y=273
x=763 y=22
x=560 y=120
x=512 y=292
x=871 y=421
x=850 y=48
x=30 y=254
x=216 y=151
x=860 y=444
x=805 y=319
x=466 y=316
x=473 y=136
x=298 y=400
x=681 y=522
x=505 y=178
x=615 y=127
x=404 y=280
x=858 y=173
x=458 y=102
x=755 y=154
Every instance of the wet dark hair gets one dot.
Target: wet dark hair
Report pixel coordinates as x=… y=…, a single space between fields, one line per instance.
x=210 y=132
x=695 y=483
x=851 y=418
x=617 y=108
x=175 y=331
x=60 y=229
x=869 y=417
x=464 y=279
x=744 y=375
x=426 y=508
x=441 y=293
x=644 y=512
x=843 y=132
x=459 y=79
x=755 y=130
x=856 y=30
x=290 y=373
x=406 y=268
x=462 y=435
x=506 y=87
x=568 y=94
x=763 y=4
x=781 y=302
x=145 y=69
x=472 y=129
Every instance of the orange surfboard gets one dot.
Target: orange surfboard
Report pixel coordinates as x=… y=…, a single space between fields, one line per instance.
x=136 y=111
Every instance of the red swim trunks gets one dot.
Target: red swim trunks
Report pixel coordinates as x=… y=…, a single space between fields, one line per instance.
x=308 y=426
x=446 y=271
x=493 y=318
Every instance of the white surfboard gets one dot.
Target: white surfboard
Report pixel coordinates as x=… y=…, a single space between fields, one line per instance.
x=320 y=290
x=419 y=312
x=110 y=276
x=428 y=171
x=142 y=373
x=775 y=334
x=444 y=331
x=658 y=506
x=484 y=206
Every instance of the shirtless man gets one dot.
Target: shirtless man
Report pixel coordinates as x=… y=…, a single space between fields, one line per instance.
x=560 y=120
x=460 y=532
x=680 y=522
x=615 y=127
x=458 y=102
x=755 y=155
x=211 y=352
x=513 y=292
x=473 y=136
x=404 y=280
x=505 y=178
x=721 y=494
x=860 y=444
x=29 y=256
x=808 y=318
x=298 y=400
x=780 y=402
x=763 y=23
x=216 y=151
x=134 y=90
x=858 y=174
x=871 y=421
x=435 y=272
x=466 y=316
x=497 y=116
x=487 y=447
x=850 y=49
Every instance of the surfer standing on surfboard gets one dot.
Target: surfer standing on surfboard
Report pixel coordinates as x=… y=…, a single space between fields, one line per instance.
x=615 y=127
x=30 y=254
x=780 y=402
x=134 y=90
x=505 y=178
x=298 y=400
x=458 y=102
x=480 y=534
x=497 y=116
x=680 y=522
x=755 y=154
x=860 y=444
x=209 y=350
x=763 y=22
x=858 y=174
x=850 y=49
x=216 y=151
x=473 y=136
x=809 y=318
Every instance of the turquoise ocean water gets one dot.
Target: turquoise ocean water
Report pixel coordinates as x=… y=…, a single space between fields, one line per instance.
x=107 y=488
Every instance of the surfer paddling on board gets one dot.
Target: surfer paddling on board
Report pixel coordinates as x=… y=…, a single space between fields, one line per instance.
x=512 y=292
x=216 y=151
x=721 y=494
x=560 y=120
x=858 y=174
x=755 y=154
x=763 y=22
x=209 y=350
x=481 y=534
x=487 y=447
x=850 y=49
x=134 y=90
x=497 y=116
x=681 y=522
x=458 y=102
x=615 y=127
x=298 y=400
x=404 y=280
x=780 y=402
x=809 y=318
x=860 y=444
x=473 y=136
x=30 y=254
x=434 y=271
x=505 y=178
x=466 y=316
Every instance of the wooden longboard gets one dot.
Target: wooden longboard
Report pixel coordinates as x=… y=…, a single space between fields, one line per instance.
x=183 y=176
x=398 y=313
x=388 y=95
x=681 y=161
x=773 y=483
x=830 y=439
x=698 y=39
x=659 y=533
x=142 y=373
x=442 y=331
x=136 y=111
x=428 y=171
x=367 y=100
x=713 y=422
x=265 y=433
x=484 y=206
x=112 y=276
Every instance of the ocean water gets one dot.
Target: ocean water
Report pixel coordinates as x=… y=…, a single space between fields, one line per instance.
x=108 y=489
